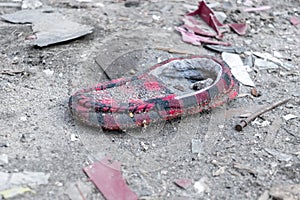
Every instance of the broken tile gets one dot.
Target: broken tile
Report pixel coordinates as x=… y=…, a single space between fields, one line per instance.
x=238 y=69
x=49 y=26
x=107 y=177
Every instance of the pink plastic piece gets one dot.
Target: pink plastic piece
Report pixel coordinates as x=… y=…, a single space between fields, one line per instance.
x=183 y=183
x=106 y=176
x=239 y=28
x=295 y=21
x=194 y=39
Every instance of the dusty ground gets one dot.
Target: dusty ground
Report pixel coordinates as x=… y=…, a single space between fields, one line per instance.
x=36 y=127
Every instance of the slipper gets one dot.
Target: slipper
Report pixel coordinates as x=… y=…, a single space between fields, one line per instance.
x=173 y=88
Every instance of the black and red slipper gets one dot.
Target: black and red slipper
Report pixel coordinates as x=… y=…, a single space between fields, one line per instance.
x=173 y=88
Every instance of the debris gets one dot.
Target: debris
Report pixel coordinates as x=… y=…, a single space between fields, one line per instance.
x=197 y=146
x=245 y=168
x=244 y=123
x=280 y=156
x=255 y=93
x=269 y=57
x=289 y=116
x=50 y=27
x=203 y=30
x=12 y=72
x=3 y=159
x=10 y=4
x=78 y=191
x=228 y=49
x=272 y=131
x=2 y=144
x=10 y=180
x=106 y=175
x=220 y=171
x=285 y=192
x=31 y=4
x=261 y=123
x=262 y=8
x=27 y=137
x=294 y=21
x=144 y=146
x=239 y=28
x=248 y=3
x=23 y=118
x=197 y=40
x=74 y=137
x=245 y=115
x=48 y=72
x=15 y=191
x=263 y=64
x=237 y=67
x=207 y=15
x=183 y=183
x=201 y=185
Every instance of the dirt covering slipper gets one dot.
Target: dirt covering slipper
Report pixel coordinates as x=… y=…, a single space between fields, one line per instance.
x=173 y=88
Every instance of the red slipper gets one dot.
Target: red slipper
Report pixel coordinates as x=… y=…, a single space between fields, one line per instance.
x=176 y=87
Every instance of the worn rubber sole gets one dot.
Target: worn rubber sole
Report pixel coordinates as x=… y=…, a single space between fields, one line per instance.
x=162 y=92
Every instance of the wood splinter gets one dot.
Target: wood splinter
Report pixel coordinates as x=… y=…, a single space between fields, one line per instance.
x=243 y=123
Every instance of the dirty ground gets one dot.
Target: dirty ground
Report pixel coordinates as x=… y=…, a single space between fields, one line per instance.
x=39 y=139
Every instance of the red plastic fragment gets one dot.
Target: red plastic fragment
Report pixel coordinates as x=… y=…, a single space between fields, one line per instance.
x=208 y=16
x=106 y=176
x=257 y=9
x=294 y=20
x=194 y=39
x=194 y=31
x=239 y=28
x=197 y=26
x=183 y=183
